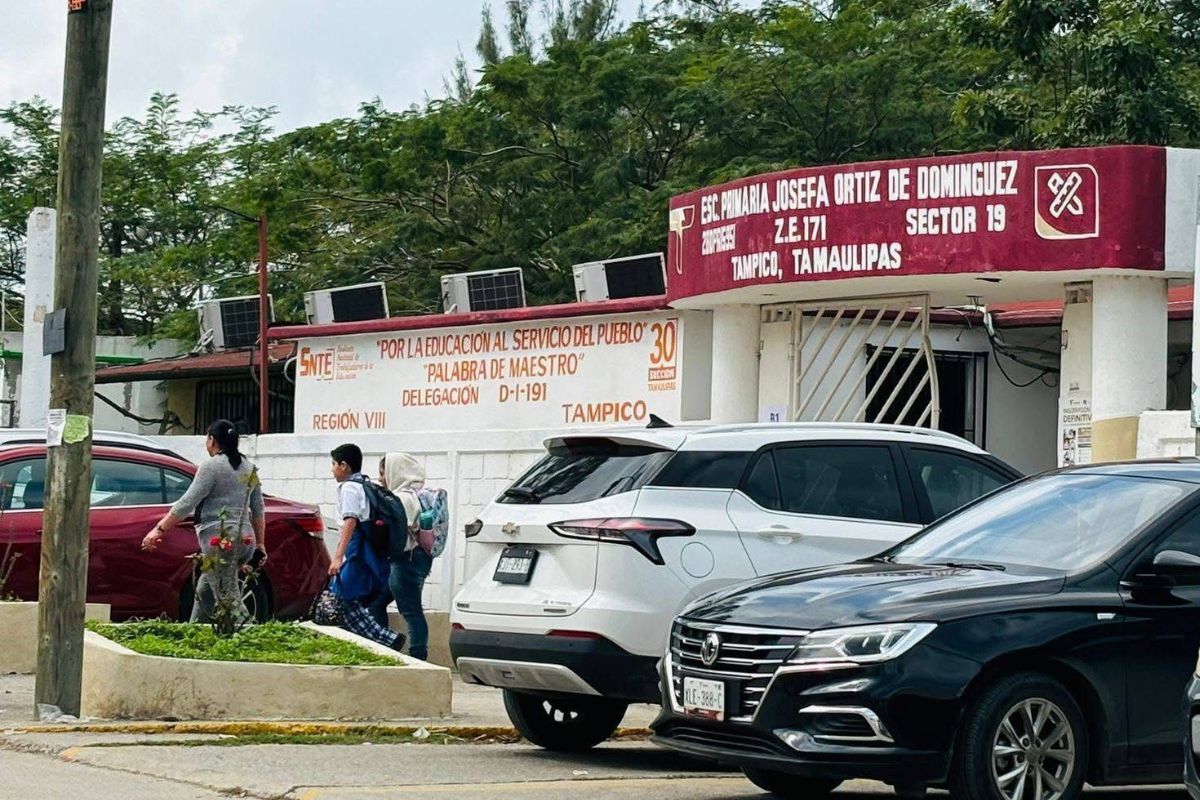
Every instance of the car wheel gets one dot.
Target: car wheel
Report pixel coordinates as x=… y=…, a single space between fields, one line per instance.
x=566 y=723
x=255 y=594
x=1025 y=738
x=786 y=785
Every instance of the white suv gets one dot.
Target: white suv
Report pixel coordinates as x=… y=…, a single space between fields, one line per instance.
x=576 y=571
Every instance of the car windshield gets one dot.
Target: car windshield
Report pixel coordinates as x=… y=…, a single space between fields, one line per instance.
x=1063 y=522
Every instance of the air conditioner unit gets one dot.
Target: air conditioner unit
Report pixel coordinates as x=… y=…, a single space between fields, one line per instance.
x=619 y=278
x=346 y=304
x=232 y=321
x=483 y=291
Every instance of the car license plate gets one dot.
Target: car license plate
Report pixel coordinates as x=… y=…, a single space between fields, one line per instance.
x=1196 y=735
x=516 y=565
x=703 y=698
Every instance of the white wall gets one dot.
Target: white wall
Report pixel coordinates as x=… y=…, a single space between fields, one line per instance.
x=145 y=399
x=1020 y=421
x=473 y=467
x=1164 y=434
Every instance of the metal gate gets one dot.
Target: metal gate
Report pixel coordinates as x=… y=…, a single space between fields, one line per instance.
x=862 y=360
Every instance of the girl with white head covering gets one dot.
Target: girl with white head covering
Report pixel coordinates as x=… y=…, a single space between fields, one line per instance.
x=403 y=475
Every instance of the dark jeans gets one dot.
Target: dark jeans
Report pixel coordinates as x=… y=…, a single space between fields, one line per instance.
x=406 y=581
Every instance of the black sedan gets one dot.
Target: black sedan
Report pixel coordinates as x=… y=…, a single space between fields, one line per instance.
x=1034 y=640
x=1192 y=723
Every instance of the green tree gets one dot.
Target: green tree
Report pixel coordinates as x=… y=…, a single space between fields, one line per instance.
x=569 y=140
x=1085 y=72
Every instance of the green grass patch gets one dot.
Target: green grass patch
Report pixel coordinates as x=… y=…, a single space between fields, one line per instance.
x=272 y=642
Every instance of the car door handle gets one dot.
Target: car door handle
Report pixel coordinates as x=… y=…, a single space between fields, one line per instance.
x=779 y=533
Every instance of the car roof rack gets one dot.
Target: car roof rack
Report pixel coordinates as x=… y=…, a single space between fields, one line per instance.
x=876 y=426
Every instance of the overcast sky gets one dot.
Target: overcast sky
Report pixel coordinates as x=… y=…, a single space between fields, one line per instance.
x=314 y=59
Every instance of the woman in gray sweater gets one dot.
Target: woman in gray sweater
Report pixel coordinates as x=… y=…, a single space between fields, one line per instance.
x=227 y=500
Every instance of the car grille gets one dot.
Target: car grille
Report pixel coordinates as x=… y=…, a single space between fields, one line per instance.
x=841 y=726
x=724 y=739
x=747 y=660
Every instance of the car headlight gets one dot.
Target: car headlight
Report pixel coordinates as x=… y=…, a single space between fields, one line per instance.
x=1198 y=666
x=862 y=645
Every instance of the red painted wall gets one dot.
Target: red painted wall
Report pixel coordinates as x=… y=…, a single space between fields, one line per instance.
x=992 y=212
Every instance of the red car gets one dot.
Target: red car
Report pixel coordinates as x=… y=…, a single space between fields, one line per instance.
x=134 y=482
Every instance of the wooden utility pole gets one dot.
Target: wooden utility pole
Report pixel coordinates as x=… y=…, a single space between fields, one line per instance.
x=62 y=589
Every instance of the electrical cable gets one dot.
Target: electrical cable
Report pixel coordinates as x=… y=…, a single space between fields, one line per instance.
x=1015 y=353
x=171 y=420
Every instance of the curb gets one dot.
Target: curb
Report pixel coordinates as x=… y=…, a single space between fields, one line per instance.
x=248 y=728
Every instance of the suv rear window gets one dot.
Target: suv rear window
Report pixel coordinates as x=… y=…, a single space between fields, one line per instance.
x=580 y=470
x=700 y=469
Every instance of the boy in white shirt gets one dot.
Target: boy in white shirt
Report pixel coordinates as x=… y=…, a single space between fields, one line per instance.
x=362 y=574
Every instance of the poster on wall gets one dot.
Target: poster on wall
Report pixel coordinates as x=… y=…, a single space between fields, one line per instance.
x=611 y=370
x=1075 y=429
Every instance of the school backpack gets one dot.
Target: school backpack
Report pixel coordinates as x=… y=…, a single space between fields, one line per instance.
x=387 y=528
x=433 y=521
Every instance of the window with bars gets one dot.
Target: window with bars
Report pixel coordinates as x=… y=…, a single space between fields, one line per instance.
x=962 y=391
x=236 y=399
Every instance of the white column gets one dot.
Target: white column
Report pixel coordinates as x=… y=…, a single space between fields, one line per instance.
x=1075 y=376
x=1129 y=360
x=735 y=364
x=39 y=300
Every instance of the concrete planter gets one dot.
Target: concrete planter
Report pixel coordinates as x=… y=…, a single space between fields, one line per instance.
x=18 y=632
x=439 y=635
x=121 y=684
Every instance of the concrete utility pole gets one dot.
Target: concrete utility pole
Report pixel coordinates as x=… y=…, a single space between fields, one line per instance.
x=264 y=319
x=62 y=588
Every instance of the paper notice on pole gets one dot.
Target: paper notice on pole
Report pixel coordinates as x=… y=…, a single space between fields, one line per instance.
x=56 y=423
x=78 y=428
x=1075 y=429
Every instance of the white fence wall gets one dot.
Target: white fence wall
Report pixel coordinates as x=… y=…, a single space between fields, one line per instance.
x=1165 y=433
x=473 y=467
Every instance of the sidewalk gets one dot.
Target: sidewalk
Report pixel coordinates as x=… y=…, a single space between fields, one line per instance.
x=473 y=707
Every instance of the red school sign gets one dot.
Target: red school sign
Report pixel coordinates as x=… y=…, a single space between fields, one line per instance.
x=994 y=212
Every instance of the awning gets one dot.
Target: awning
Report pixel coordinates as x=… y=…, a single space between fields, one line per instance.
x=205 y=365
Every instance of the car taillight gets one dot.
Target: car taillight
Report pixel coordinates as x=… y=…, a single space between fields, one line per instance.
x=473 y=528
x=314 y=526
x=575 y=634
x=639 y=532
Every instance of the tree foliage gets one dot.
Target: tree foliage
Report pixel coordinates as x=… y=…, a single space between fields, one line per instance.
x=566 y=146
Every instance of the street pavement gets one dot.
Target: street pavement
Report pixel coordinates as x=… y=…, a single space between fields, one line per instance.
x=475 y=706
x=137 y=766
x=68 y=766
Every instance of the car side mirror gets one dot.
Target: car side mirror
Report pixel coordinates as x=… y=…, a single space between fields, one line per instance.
x=1180 y=566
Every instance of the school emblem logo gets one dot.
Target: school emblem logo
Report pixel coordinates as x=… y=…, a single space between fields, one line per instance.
x=1066 y=202
x=681 y=219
